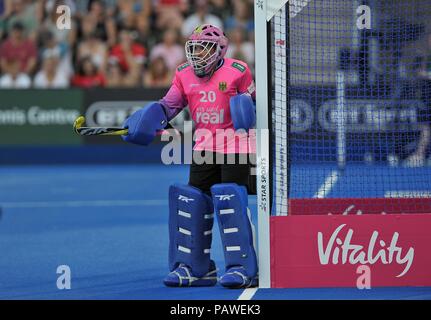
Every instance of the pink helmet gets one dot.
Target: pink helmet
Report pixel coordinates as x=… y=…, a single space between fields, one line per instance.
x=205 y=48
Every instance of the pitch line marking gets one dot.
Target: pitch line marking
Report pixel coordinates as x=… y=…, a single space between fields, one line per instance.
x=89 y=203
x=327 y=186
x=247 y=294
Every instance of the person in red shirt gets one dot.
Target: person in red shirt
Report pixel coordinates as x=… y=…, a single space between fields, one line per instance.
x=88 y=76
x=18 y=48
x=127 y=48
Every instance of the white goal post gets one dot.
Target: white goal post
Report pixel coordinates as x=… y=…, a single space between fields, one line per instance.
x=265 y=10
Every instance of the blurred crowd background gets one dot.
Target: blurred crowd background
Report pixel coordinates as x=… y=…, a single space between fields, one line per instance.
x=115 y=44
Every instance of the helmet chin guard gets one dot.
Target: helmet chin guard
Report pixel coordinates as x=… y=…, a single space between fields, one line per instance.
x=205 y=48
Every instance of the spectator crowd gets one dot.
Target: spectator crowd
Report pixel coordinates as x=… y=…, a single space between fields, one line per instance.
x=124 y=43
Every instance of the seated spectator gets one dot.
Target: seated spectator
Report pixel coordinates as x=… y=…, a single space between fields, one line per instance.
x=105 y=25
x=240 y=49
x=158 y=75
x=144 y=33
x=18 y=47
x=126 y=7
x=130 y=10
x=50 y=76
x=128 y=21
x=88 y=75
x=27 y=13
x=170 y=13
x=221 y=8
x=102 y=14
x=65 y=37
x=114 y=76
x=202 y=16
x=117 y=78
x=81 y=7
x=50 y=5
x=241 y=18
x=126 y=50
x=50 y=47
x=91 y=45
x=14 y=78
x=169 y=49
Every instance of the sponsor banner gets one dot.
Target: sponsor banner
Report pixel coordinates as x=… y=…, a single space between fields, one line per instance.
x=372 y=116
x=314 y=109
x=362 y=116
x=112 y=107
x=39 y=117
x=326 y=251
x=358 y=206
x=374 y=122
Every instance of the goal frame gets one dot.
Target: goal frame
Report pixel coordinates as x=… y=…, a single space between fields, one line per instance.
x=290 y=254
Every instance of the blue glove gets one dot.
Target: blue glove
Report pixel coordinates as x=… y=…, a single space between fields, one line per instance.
x=144 y=124
x=242 y=111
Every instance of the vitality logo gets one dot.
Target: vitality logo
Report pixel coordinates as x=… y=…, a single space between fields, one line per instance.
x=338 y=250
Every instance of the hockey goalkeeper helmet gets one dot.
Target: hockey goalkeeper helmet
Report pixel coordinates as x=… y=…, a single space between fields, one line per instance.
x=205 y=48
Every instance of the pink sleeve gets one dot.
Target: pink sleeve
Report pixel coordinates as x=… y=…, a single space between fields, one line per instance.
x=174 y=101
x=246 y=84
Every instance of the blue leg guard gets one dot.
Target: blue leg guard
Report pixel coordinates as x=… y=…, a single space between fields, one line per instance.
x=230 y=205
x=190 y=234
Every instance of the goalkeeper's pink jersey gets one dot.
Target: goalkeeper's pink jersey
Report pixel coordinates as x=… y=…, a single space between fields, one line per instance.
x=208 y=102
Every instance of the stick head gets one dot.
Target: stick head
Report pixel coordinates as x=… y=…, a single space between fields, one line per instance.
x=78 y=123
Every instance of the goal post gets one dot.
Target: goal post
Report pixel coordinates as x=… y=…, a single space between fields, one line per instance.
x=262 y=140
x=271 y=28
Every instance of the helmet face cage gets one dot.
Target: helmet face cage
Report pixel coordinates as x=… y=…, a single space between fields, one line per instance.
x=203 y=56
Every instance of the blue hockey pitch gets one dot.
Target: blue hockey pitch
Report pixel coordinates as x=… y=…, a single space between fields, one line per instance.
x=109 y=225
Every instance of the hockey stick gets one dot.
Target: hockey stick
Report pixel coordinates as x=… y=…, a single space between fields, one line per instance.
x=104 y=131
x=96 y=131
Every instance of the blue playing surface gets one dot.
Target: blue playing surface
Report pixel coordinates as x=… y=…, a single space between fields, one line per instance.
x=109 y=225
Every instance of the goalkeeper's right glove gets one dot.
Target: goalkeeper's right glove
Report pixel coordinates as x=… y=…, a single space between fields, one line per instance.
x=144 y=124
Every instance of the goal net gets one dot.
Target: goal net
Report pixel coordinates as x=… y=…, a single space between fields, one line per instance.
x=344 y=90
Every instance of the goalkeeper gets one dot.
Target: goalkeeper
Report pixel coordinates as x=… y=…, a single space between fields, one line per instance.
x=220 y=93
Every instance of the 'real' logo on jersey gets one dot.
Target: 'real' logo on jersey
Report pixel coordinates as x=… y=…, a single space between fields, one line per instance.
x=185 y=199
x=213 y=117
